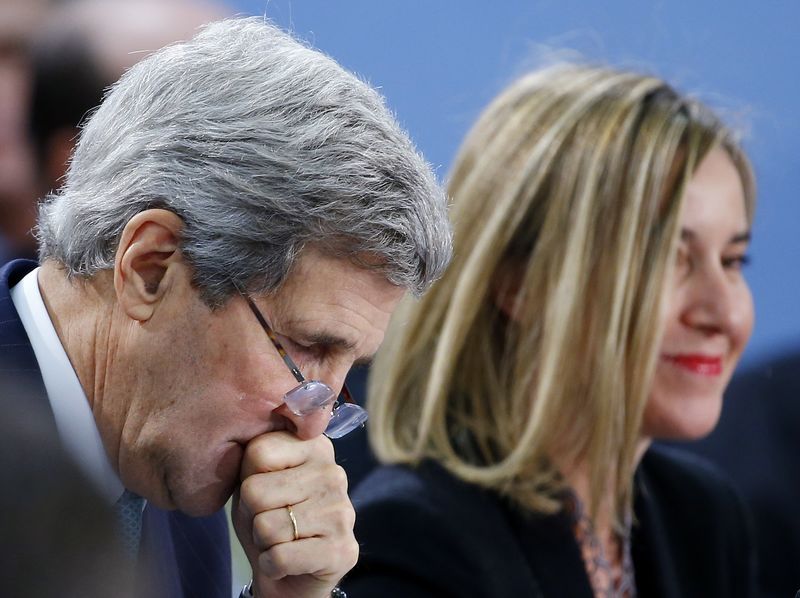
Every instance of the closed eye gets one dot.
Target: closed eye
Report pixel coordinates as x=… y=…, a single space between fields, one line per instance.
x=306 y=353
x=735 y=262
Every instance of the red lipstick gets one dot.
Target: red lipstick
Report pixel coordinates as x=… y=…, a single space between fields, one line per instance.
x=705 y=365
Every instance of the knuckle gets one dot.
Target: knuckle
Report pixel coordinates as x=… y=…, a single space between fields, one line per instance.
x=350 y=518
x=259 y=454
x=335 y=478
x=323 y=449
x=262 y=531
x=279 y=560
x=248 y=493
x=342 y=520
x=339 y=476
x=266 y=567
x=348 y=554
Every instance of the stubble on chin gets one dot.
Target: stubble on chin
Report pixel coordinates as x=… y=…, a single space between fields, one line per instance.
x=196 y=488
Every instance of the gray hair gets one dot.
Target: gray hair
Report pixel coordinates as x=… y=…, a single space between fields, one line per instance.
x=262 y=146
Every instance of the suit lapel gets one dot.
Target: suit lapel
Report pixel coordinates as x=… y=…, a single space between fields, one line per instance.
x=652 y=557
x=549 y=546
x=555 y=559
x=185 y=556
x=20 y=375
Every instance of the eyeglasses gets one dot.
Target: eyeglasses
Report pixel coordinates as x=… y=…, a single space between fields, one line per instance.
x=312 y=395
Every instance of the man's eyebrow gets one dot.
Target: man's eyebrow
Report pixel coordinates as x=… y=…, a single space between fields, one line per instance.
x=326 y=339
x=688 y=234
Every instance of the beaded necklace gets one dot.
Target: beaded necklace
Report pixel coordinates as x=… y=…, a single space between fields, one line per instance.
x=607 y=581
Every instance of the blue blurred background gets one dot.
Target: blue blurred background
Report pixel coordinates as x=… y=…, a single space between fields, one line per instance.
x=439 y=62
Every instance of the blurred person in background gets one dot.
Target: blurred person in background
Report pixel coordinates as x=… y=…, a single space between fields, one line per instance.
x=19 y=20
x=237 y=223
x=57 y=534
x=80 y=50
x=595 y=303
x=56 y=60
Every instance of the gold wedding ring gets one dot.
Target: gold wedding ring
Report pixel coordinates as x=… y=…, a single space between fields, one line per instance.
x=294 y=522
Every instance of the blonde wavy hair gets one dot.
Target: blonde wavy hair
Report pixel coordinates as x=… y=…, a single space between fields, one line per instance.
x=565 y=203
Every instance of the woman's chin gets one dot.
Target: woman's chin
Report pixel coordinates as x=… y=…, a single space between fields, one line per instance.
x=686 y=428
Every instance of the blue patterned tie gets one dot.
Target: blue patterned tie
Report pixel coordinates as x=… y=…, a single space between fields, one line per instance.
x=129 y=517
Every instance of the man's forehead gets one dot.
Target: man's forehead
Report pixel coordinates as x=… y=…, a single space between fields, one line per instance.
x=319 y=277
x=328 y=314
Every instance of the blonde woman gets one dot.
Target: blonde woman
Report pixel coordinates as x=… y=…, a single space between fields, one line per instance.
x=595 y=303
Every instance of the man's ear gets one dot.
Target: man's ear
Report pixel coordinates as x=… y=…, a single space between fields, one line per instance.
x=147 y=261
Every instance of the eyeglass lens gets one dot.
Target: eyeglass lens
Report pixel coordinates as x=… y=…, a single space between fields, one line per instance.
x=313 y=395
x=344 y=419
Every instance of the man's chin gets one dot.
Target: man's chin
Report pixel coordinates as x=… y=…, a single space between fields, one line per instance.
x=200 y=497
x=203 y=503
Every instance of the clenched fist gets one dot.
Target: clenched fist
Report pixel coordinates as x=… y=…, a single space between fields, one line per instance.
x=293 y=517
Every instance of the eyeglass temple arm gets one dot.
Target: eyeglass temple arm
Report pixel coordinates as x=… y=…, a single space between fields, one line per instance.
x=347 y=395
x=281 y=351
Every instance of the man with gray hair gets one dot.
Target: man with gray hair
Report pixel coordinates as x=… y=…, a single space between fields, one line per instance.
x=239 y=220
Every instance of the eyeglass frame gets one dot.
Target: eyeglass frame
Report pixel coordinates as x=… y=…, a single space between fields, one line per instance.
x=344 y=394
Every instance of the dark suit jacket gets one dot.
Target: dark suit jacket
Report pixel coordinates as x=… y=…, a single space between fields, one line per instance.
x=757 y=443
x=188 y=556
x=425 y=533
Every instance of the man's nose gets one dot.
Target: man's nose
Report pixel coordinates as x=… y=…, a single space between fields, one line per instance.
x=310 y=425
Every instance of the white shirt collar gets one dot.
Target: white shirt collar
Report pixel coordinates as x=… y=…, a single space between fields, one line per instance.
x=73 y=415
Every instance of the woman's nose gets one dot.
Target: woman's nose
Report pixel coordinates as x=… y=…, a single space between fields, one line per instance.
x=714 y=301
